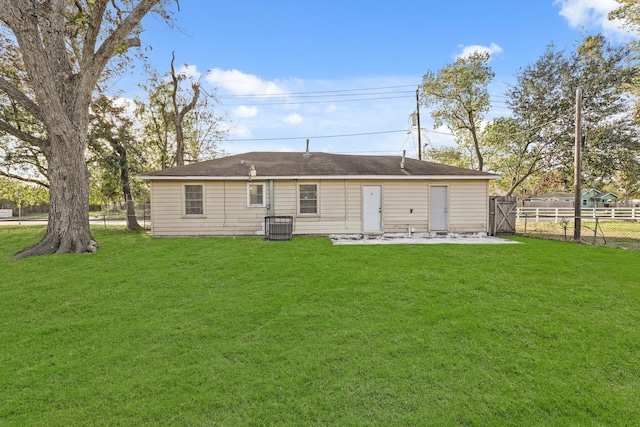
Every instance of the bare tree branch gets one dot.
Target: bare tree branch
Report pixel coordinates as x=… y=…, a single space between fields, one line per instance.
x=24 y=101
x=43 y=144
x=24 y=179
x=178 y=114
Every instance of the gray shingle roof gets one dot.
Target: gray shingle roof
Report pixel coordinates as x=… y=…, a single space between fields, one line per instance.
x=316 y=164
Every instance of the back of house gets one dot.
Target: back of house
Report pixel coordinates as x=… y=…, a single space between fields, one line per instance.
x=322 y=194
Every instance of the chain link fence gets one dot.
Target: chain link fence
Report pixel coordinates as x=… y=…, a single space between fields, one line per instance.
x=118 y=216
x=597 y=231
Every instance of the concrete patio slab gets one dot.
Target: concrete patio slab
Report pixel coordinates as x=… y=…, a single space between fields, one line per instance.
x=419 y=239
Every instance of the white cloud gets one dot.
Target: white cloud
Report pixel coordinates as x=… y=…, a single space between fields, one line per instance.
x=329 y=148
x=331 y=109
x=592 y=14
x=127 y=103
x=492 y=49
x=240 y=83
x=240 y=131
x=245 y=111
x=190 y=71
x=294 y=118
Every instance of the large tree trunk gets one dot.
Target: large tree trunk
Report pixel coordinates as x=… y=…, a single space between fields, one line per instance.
x=132 y=221
x=64 y=57
x=476 y=143
x=68 y=230
x=179 y=141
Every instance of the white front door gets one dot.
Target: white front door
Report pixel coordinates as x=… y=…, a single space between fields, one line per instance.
x=438 y=208
x=372 y=208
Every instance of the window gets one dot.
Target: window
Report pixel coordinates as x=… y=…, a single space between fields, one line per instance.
x=193 y=200
x=584 y=202
x=255 y=195
x=308 y=199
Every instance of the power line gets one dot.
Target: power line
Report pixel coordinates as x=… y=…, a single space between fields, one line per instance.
x=316 y=137
x=231 y=153
x=332 y=101
x=287 y=95
x=315 y=92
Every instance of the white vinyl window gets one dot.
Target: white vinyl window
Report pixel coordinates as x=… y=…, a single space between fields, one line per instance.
x=193 y=200
x=308 y=201
x=255 y=195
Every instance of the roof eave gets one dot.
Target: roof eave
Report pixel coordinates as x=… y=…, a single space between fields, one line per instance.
x=320 y=177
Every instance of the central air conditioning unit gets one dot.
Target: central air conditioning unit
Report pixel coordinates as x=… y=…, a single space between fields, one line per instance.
x=278 y=227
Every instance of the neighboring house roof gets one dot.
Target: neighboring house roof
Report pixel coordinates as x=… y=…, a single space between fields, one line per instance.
x=314 y=165
x=606 y=195
x=599 y=195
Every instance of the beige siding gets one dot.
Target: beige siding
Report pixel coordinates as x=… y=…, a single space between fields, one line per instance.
x=225 y=210
x=468 y=206
x=405 y=206
x=286 y=201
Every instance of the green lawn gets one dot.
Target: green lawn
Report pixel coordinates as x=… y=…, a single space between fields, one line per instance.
x=232 y=332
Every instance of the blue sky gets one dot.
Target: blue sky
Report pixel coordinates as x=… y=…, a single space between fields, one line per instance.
x=325 y=68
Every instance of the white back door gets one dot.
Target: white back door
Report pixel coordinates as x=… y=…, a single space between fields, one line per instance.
x=438 y=208
x=372 y=208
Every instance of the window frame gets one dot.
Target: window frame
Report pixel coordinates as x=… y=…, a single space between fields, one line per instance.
x=264 y=195
x=317 y=199
x=185 y=201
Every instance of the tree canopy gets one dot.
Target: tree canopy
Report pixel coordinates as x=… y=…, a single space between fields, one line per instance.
x=459 y=97
x=542 y=102
x=532 y=148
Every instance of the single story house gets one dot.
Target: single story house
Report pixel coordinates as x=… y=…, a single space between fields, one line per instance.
x=594 y=199
x=590 y=199
x=323 y=193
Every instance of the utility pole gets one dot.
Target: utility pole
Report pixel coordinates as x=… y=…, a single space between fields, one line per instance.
x=418 y=119
x=577 y=168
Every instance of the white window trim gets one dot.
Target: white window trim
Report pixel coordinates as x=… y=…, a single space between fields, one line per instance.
x=317 y=184
x=184 y=201
x=264 y=195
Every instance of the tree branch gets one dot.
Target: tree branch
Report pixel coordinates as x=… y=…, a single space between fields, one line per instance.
x=116 y=39
x=23 y=136
x=24 y=179
x=22 y=99
x=93 y=30
x=53 y=26
x=194 y=100
x=24 y=19
x=174 y=91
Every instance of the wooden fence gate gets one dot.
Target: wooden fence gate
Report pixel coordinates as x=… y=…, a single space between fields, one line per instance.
x=502 y=215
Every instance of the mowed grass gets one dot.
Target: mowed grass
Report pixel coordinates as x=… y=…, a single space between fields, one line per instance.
x=239 y=331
